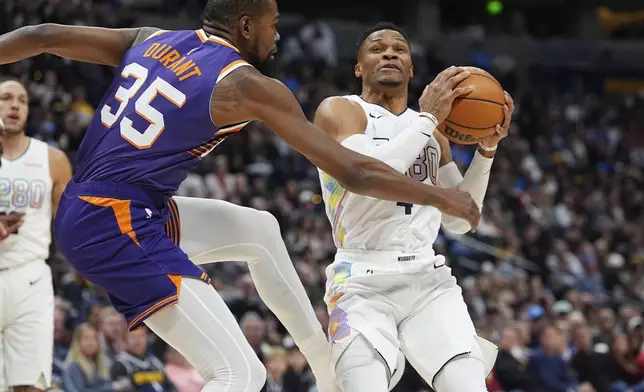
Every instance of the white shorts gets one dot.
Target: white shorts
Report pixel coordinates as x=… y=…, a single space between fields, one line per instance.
x=376 y=293
x=26 y=326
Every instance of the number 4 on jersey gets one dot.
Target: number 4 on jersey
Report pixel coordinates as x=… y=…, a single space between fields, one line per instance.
x=408 y=207
x=145 y=139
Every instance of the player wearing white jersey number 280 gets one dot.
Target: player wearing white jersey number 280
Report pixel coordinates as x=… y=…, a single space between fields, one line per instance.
x=32 y=178
x=388 y=293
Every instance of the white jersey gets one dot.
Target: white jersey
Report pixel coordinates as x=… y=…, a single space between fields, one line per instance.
x=26 y=186
x=365 y=223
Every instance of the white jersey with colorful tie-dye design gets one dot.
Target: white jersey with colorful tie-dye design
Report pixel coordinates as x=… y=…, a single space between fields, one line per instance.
x=365 y=223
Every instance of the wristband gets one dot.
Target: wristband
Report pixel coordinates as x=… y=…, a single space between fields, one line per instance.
x=430 y=117
x=486 y=148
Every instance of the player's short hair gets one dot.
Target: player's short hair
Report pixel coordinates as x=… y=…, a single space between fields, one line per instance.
x=377 y=27
x=227 y=12
x=6 y=78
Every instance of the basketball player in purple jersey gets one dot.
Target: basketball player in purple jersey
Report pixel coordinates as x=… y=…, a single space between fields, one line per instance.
x=179 y=94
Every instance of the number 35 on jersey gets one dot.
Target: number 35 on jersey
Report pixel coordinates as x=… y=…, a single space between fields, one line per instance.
x=141 y=139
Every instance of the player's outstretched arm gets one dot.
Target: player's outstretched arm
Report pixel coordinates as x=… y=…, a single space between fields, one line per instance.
x=89 y=44
x=247 y=94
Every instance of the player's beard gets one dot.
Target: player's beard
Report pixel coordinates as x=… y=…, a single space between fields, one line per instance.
x=390 y=83
x=254 y=58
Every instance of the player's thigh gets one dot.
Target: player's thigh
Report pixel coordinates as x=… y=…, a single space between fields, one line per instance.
x=358 y=312
x=360 y=368
x=215 y=230
x=440 y=331
x=28 y=348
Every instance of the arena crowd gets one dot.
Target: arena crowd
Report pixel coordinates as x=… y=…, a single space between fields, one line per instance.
x=554 y=275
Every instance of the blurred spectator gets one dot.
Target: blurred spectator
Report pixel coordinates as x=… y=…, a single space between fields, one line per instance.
x=113 y=328
x=254 y=329
x=136 y=365
x=626 y=377
x=511 y=363
x=87 y=367
x=276 y=365
x=182 y=375
x=589 y=365
x=548 y=364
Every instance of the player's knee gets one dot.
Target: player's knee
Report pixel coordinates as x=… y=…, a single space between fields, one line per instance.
x=245 y=374
x=450 y=378
x=268 y=222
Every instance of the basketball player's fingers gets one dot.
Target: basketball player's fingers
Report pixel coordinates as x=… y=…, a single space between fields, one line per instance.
x=509 y=101
x=507 y=117
x=444 y=74
x=459 y=92
x=457 y=78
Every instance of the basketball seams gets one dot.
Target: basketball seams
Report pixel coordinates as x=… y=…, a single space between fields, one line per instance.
x=466 y=127
x=488 y=94
x=480 y=100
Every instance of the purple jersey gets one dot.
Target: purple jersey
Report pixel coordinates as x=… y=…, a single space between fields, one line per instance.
x=154 y=122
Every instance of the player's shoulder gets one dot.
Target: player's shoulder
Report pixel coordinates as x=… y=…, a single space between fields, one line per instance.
x=340 y=117
x=336 y=106
x=56 y=154
x=59 y=163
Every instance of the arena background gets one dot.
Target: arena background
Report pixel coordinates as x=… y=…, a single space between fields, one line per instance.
x=561 y=243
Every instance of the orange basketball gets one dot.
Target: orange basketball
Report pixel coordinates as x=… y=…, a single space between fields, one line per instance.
x=475 y=115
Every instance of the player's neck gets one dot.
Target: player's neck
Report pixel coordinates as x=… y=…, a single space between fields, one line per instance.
x=15 y=145
x=394 y=99
x=221 y=32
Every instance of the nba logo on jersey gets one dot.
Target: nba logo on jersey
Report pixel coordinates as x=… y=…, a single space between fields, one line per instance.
x=369 y=271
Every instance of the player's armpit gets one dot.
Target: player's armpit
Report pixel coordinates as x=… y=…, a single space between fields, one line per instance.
x=340 y=118
x=89 y=44
x=245 y=94
x=60 y=170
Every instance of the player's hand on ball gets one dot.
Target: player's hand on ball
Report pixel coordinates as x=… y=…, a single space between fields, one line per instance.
x=503 y=128
x=439 y=95
x=459 y=204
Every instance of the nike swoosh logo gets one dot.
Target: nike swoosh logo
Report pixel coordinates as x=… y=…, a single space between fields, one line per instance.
x=438 y=266
x=32 y=282
x=426 y=134
x=372 y=116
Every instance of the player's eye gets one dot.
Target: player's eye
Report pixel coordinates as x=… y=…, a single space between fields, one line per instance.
x=376 y=49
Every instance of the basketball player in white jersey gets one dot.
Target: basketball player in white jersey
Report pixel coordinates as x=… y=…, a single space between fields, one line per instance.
x=8 y=223
x=387 y=291
x=32 y=178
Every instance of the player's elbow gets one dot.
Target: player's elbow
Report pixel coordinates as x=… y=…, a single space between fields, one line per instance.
x=46 y=35
x=455 y=225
